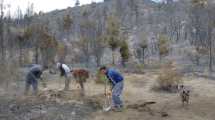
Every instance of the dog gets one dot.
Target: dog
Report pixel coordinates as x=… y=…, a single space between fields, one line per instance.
x=81 y=76
x=184 y=94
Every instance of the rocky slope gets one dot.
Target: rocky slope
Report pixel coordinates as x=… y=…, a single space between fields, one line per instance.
x=136 y=17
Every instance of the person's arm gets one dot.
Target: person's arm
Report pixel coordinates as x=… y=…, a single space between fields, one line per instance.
x=108 y=87
x=111 y=81
x=43 y=82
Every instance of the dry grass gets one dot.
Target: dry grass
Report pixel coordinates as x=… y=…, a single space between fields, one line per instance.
x=167 y=105
x=132 y=67
x=169 y=78
x=137 y=92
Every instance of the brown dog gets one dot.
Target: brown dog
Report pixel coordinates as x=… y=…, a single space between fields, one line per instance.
x=81 y=76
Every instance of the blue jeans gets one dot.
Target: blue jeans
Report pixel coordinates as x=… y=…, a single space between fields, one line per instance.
x=116 y=94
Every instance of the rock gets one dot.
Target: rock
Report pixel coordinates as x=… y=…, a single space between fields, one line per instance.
x=164 y=114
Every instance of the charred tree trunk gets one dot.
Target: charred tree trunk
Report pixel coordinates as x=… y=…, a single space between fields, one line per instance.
x=36 y=54
x=21 y=55
x=143 y=55
x=2 y=47
x=210 y=48
x=98 y=61
x=113 y=57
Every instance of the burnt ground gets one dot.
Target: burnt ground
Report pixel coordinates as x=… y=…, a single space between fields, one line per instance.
x=48 y=105
x=54 y=104
x=36 y=109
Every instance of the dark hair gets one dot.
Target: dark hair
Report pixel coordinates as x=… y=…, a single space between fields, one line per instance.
x=103 y=68
x=62 y=71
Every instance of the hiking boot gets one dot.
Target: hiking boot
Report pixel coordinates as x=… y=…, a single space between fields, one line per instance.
x=117 y=109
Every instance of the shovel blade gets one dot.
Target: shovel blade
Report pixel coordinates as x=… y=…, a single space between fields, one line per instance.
x=106 y=109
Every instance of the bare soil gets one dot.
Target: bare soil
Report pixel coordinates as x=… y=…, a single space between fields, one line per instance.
x=138 y=91
x=141 y=101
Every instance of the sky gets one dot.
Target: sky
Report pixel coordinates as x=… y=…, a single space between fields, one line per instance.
x=42 y=5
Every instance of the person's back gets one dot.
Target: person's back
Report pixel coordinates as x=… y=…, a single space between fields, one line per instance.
x=64 y=71
x=36 y=70
x=66 y=68
x=34 y=73
x=114 y=75
x=117 y=86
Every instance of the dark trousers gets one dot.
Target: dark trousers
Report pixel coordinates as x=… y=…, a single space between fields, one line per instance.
x=31 y=81
x=67 y=82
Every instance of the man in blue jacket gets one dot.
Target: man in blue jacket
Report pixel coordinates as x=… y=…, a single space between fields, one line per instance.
x=116 y=80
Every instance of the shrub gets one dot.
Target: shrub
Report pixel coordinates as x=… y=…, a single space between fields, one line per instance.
x=134 y=67
x=124 y=52
x=169 y=78
x=163 y=44
x=139 y=68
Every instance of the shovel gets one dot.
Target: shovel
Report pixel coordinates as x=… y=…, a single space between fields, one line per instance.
x=107 y=102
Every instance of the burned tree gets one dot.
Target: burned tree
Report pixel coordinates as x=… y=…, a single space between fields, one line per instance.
x=113 y=35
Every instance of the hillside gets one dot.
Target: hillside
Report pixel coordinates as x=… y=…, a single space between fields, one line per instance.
x=139 y=19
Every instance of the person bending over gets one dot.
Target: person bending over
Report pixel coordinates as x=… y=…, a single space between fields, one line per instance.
x=32 y=77
x=116 y=79
x=64 y=71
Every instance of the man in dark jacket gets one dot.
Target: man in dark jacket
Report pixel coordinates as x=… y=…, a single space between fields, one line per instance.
x=34 y=73
x=116 y=80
